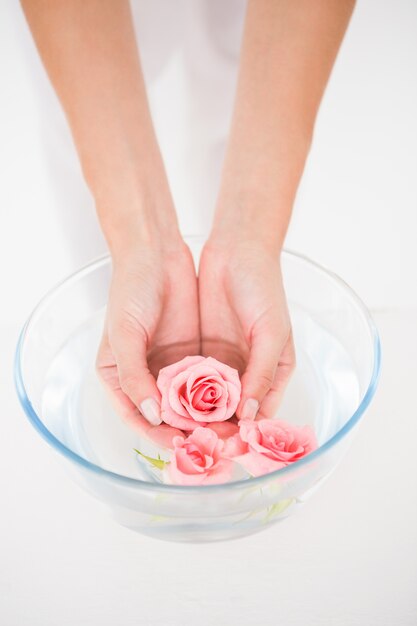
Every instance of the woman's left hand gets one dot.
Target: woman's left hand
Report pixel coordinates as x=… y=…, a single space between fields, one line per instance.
x=245 y=322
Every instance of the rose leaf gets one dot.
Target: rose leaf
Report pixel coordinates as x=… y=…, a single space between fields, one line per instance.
x=159 y=463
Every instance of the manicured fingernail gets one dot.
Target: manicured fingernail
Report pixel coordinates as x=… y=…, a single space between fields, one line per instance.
x=151 y=410
x=250 y=409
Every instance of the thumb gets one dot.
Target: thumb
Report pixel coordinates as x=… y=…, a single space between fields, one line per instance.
x=137 y=382
x=260 y=372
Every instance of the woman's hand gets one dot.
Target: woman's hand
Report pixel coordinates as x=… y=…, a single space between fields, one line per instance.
x=244 y=316
x=245 y=322
x=152 y=321
x=152 y=316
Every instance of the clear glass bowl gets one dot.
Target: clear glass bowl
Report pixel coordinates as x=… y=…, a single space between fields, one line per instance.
x=338 y=363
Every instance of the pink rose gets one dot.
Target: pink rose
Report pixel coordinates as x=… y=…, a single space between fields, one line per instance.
x=197 y=391
x=197 y=460
x=270 y=444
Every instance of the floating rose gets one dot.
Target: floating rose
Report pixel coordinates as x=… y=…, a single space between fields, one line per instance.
x=198 y=391
x=269 y=444
x=198 y=460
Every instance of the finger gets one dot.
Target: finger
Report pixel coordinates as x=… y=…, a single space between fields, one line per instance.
x=129 y=346
x=162 y=434
x=270 y=404
x=108 y=375
x=259 y=375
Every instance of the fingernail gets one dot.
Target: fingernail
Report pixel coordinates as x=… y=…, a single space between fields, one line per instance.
x=250 y=409
x=151 y=410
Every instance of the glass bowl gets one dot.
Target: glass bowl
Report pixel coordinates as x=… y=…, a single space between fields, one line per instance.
x=338 y=363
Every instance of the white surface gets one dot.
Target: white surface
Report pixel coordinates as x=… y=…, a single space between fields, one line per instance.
x=347 y=559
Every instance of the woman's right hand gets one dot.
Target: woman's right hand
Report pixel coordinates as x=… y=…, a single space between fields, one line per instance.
x=152 y=320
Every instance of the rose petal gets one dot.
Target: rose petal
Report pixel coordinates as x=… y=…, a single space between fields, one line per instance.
x=176 y=393
x=206 y=439
x=205 y=397
x=166 y=374
x=208 y=462
x=197 y=394
x=217 y=414
x=228 y=373
x=175 y=476
x=257 y=464
x=234 y=398
x=221 y=473
x=203 y=374
x=174 y=419
x=212 y=393
x=185 y=463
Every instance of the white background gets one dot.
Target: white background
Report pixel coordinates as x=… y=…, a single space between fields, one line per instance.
x=357 y=207
x=351 y=556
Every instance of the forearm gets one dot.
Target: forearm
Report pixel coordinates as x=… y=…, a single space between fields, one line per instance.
x=89 y=51
x=287 y=54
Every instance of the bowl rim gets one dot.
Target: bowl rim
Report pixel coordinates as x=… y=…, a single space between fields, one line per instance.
x=136 y=482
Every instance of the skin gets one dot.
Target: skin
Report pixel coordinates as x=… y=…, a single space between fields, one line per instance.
x=158 y=312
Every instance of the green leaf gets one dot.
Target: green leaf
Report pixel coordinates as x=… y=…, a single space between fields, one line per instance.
x=277 y=508
x=159 y=463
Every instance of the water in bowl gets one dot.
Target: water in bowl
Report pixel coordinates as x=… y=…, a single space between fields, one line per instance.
x=323 y=392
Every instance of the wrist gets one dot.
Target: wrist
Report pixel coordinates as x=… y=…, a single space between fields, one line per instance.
x=132 y=197
x=257 y=193
x=231 y=251
x=133 y=221
x=249 y=220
